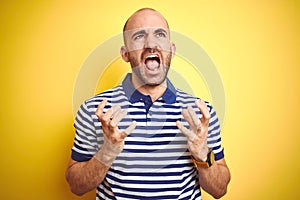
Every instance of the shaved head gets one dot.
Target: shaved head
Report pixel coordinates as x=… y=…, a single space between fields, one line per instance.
x=145 y=17
x=138 y=13
x=148 y=48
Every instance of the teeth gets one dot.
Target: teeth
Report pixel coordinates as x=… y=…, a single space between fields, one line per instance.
x=152 y=56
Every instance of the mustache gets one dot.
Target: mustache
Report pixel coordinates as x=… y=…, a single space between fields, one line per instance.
x=151 y=50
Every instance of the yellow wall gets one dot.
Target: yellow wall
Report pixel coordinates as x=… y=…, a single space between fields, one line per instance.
x=255 y=46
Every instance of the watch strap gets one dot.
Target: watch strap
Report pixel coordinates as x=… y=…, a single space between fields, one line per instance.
x=205 y=164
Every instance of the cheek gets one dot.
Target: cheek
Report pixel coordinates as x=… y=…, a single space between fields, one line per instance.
x=135 y=55
x=165 y=45
x=167 y=56
x=134 y=59
x=136 y=46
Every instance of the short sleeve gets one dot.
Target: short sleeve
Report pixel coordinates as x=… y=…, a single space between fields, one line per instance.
x=85 y=142
x=214 y=135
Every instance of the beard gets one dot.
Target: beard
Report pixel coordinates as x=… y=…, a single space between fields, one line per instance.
x=140 y=72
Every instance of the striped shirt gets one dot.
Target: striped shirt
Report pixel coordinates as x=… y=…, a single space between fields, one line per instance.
x=155 y=162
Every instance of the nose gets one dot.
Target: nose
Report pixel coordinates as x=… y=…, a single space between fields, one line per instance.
x=151 y=50
x=151 y=44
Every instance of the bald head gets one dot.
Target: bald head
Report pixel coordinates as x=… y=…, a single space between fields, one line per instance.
x=147 y=47
x=145 y=17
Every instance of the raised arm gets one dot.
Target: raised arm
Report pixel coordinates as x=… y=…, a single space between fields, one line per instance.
x=213 y=179
x=86 y=176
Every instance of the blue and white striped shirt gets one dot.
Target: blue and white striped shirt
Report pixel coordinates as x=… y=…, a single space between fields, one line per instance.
x=155 y=162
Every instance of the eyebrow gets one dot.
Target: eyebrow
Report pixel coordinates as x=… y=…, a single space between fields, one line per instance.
x=161 y=30
x=139 y=32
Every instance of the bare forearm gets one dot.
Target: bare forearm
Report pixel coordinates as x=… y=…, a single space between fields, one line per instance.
x=215 y=179
x=85 y=176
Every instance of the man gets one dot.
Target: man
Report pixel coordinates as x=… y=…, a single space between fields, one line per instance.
x=144 y=139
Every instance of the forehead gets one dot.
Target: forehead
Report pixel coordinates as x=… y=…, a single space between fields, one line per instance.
x=145 y=30
x=146 y=19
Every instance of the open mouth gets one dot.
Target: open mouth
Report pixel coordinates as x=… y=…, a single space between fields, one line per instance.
x=152 y=62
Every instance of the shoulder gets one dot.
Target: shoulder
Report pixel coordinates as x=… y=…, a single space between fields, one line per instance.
x=87 y=109
x=110 y=95
x=185 y=97
x=188 y=99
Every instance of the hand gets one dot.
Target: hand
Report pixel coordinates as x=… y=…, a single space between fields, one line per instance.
x=113 y=137
x=197 y=134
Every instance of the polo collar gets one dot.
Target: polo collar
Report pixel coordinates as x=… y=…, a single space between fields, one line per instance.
x=134 y=95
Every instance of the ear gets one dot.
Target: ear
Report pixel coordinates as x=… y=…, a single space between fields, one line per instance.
x=173 y=49
x=124 y=53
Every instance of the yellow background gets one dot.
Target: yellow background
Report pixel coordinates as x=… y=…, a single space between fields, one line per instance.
x=255 y=46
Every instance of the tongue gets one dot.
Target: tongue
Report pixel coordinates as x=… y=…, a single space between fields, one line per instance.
x=152 y=64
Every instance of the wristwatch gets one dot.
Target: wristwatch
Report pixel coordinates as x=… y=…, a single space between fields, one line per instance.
x=205 y=164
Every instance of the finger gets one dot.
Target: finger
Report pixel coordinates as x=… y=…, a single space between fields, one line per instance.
x=115 y=109
x=99 y=111
x=118 y=116
x=204 y=110
x=188 y=118
x=109 y=114
x=129 y=129
x=194 y=116
x=189 y=134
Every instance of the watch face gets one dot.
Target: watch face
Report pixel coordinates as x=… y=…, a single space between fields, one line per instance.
x=205 y=164
x=212 y=157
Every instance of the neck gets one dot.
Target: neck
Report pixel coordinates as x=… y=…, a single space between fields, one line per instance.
x=154 y=91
